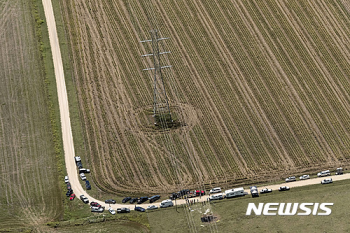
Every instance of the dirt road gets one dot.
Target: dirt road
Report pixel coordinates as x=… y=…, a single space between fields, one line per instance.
x=66 y=125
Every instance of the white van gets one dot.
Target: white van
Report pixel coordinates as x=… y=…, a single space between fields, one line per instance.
x=324 y=173
x=218 y=196
x=215 y=190
x=166 y=203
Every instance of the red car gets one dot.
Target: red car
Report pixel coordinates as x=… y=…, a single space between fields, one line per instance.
x=72 y=197
x=200 y=193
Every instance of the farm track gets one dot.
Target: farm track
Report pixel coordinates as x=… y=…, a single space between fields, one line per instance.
x=268 y=82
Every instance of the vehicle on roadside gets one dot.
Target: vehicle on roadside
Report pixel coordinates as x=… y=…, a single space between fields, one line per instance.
x=199 y=192
x=84 y=170
x=72 y=197
x=291 y=179
x=126 y=199
x=78 y=162
x=111 y=210
x=69 y=192
x=142 y=200
x=237 y=192
x=152 y=207
x=217 y=196
x=123 y=210
x=324 y=173
x=339 y=171
x=153 y=198
x=327 y=181
x=139 y=208
x=166 y=203
x=265 y=190
x=66 y=180
x=84 y=199
x=174 y=196
x=82 y=176
x=110 y=201
x=254 y=191
x=97 y=209
x=133 y=200
x=87 y=185
x=215 y=190
x=183 y=192
x=95 y=204
x=68 y=186
x=304 y=177
x=283 y=188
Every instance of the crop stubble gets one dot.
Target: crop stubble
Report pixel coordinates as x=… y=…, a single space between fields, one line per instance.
x=268 y=81
x=29 y=192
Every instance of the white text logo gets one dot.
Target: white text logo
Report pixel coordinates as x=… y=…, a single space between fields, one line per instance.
x=289 y=209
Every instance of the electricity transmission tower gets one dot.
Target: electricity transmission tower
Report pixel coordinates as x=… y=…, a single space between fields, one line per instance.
x=161 y=110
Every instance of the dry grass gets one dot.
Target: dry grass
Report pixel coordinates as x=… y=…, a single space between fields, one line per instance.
x=263 y=86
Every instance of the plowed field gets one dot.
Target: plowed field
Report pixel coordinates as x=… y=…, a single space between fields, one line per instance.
x=262 y=88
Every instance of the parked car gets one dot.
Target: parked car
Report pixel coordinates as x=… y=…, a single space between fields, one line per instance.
x=324 y=173
x=183 y=192
x=142 y=200
x=66 y=180
x=98 y=210
x=174 y=196
x=283 y=188
x=327 y=181
x=339 y=171
x=110 y=201
x=166 y=203
x=152 y=207
x=200 y=192
x=126 y=199
x=123 y=210
x=84 y=170
x=69 y=192
x=95 y=204
x=82 y=176
x=304 y=177
x=291 y=179
x=84 y=199
x=87 y=185
x=139 y=208
x=265 y=190
x=111 y=210
x=154 y=198
x=68 y=186
x=72 y=197
x=133 y=200
x=217 y=196
x=79 y=165
x=215 y=190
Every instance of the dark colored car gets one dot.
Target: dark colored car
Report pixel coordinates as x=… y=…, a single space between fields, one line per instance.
x=123 y=210
x=174 y=196
x=183 y=192
x=126 y=199
x=87 y=185
x=142 y=200
x=154 y=198
x=110 y=201
x=69 y=192
x=69 y=186
x=79 y=165
x=133 y=200
x=139 y=208
x=93 y=203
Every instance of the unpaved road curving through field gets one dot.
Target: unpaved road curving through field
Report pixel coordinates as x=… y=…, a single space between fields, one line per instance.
x=66 y=125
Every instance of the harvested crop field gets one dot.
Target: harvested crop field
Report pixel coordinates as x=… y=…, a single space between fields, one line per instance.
x=29 y=190
x=261 y=89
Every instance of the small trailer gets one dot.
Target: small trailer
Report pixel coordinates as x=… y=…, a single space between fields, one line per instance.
x=237 y=192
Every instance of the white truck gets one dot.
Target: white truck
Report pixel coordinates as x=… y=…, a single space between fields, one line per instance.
x=216 y=196
x=237 y=192
x=324 y=173
x=166 y=203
